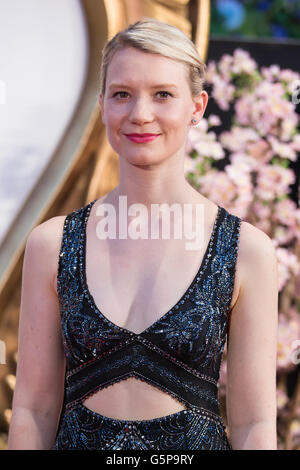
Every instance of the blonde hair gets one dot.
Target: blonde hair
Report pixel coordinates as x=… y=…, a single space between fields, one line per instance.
x=153 y=36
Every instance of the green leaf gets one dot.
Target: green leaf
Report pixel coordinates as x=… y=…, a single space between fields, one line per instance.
x=193 y=153
x=284 y=162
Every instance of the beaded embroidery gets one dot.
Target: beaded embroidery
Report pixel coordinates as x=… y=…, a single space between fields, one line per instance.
x=180 y=353
x=192 y=429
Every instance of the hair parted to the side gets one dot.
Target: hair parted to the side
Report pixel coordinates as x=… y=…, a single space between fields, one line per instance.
x=153 y=36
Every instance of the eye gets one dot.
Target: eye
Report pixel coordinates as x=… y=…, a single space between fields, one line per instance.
x=168 y=93
x=159 y=92
x=119 y=92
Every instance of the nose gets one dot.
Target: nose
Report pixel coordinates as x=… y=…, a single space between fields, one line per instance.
x=140 y=111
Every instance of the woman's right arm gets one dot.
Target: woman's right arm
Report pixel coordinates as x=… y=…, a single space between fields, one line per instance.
x=39 y=390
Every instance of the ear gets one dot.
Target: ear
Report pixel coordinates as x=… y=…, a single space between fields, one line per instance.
x=200 y=103
x=101 y=107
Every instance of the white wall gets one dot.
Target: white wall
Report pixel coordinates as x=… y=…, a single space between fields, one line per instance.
x=43 y=59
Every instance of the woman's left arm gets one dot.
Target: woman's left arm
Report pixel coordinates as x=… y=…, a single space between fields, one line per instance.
x=252 y=345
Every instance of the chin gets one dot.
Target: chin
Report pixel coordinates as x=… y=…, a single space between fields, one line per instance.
x=141 y=157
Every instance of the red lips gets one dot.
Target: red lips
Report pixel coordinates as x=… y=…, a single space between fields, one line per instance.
x=141 y=135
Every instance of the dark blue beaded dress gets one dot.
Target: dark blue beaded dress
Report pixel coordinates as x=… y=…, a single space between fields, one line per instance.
x=180 y=353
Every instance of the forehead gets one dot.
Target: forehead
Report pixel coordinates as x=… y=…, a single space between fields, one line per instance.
x=146 y=66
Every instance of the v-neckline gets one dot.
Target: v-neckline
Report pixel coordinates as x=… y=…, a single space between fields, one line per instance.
x=197 y=277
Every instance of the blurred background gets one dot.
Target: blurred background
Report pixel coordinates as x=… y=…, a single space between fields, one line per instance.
x=55 y=157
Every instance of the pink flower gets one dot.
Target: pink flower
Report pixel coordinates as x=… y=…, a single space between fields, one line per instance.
x=295 y=428
x=279 y=106
x=281 y=149
x=270 y=73
x=238 y=138
x=288 y=333
x=242 y=62
x=214 y=120
x=273 y=180
x=218 y=187
x=288 y=265
x=223 y=92
x=261 y=210
x=282 y=399
x=283 y=276
x=211 y=71
x=295 y=144
x=205 y=143
x=224 y=66
x=243 y=108
x=195 y=135
x=283 y=235
x=238 y=174
x=288 y=127
x=260 y=150
x=285 y=211
x=244 y=197
x=267 y=110
x=243 y=160
x=264 y=225
x=208 y=147
x=190 y=164
x=268 y=90
x=288 y=75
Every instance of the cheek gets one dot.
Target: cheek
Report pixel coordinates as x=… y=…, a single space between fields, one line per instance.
x=113 y=127
x=176 y=126
x=113 y=118
x=177 y=118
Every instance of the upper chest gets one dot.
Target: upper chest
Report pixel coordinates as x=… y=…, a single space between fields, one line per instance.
x=133 y=282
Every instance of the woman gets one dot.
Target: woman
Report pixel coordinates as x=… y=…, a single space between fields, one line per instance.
x=137 y=378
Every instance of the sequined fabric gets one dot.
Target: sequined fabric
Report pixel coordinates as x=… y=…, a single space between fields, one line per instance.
x=83 y=429
x=180 y=353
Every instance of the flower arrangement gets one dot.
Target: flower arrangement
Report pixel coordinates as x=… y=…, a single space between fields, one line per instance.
x=262 y=141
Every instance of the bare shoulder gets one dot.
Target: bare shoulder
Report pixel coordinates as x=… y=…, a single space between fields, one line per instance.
x=44 y=240
x=254 y=244
x=256 y=249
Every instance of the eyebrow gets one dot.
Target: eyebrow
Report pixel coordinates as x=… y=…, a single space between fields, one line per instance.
x=161 y=85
